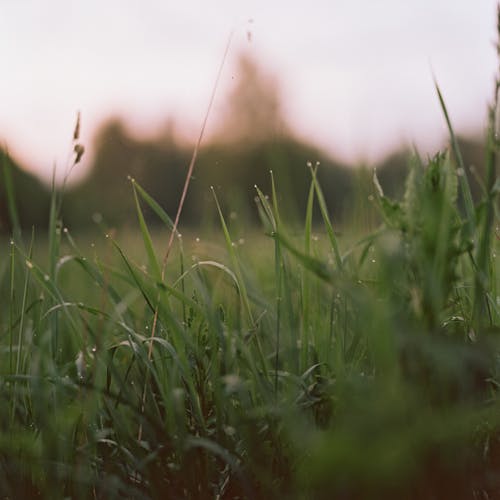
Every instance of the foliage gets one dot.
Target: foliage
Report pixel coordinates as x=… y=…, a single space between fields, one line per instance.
x=328 y=369
x=341 y=373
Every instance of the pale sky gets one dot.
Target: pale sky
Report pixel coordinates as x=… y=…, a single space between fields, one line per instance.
x=356 y=75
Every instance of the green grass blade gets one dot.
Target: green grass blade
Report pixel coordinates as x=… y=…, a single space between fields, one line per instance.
x=306 y=285
x=463 y=179
x=157 y=209
x=146 y=238
x=54 y=228
x=312 y=264
x=326 y=220
x=234 y=260
x=11 y=197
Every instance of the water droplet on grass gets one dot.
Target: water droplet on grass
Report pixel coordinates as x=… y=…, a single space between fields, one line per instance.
x=229 y=430
x=97 y=217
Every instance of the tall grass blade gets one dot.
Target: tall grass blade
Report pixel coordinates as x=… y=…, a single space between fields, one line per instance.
x=146 y=238
x=306 y=286
x=326 y=220
x=11 y=197
x=463 y=178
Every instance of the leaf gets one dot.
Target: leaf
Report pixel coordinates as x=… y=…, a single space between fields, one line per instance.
x=146 y=238
x=312 y=264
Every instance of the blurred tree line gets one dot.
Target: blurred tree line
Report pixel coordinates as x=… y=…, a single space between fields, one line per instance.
x=253 y=139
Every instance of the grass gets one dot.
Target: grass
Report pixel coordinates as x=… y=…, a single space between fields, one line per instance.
x=306 y=366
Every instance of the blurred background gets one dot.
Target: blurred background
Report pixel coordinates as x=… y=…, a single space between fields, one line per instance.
x=347 y=84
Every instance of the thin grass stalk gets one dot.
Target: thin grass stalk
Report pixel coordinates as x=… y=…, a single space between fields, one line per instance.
x=21 y=325
x=11 y=306
x=279 y=264
x=306 y=283
x=54 y=242
x=11 y=198
x=278 y=267
x=326 y=219
x=183 y=198
x=463 y=178
x=483 y=275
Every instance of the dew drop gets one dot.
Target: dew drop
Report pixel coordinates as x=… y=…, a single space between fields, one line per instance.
x=97 y=217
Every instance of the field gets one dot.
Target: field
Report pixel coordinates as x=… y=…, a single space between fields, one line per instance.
x=259 y=363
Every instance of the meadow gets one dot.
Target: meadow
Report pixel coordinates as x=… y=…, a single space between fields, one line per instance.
x=259 y=364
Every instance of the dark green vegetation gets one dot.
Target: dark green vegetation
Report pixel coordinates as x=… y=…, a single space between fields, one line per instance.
x=325 y=369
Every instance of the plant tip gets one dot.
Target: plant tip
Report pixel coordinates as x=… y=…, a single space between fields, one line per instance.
x=76 y=132
x=79 y=149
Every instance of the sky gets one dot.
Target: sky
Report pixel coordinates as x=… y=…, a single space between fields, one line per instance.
x=356 y=75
